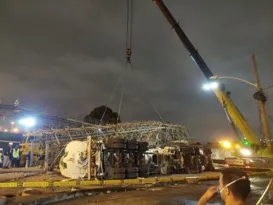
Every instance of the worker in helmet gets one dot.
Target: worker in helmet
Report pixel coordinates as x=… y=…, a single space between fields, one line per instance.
x=10 y=150
x=16 y=156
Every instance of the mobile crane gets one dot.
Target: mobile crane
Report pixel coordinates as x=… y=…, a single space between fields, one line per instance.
x=234 y=115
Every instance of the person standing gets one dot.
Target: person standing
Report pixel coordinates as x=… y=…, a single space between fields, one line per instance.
x=1 y=157
x=10 y=150
x=16 y=156
x=6 y=159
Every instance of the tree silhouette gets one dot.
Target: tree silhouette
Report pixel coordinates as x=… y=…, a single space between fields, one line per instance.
x=104 y=114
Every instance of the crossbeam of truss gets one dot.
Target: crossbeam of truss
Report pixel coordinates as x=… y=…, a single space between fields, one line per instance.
x=154 y=132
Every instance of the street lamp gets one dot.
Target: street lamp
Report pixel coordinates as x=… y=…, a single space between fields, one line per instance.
x=234 y=78
x=211 y=85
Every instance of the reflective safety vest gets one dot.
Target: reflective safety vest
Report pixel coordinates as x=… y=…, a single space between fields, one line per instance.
x=15 y=153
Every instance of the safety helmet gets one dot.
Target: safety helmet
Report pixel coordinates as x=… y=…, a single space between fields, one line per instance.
x=10 y=143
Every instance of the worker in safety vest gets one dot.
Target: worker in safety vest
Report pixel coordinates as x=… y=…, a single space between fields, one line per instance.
x=16 y=156
x=1 y=157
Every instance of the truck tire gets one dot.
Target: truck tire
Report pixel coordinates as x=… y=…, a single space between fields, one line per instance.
x=116 y=170
x=132 y=145
x=115 y=140
x=118 y=176
x=143 y=146
x=143 y=172
x=132 y=175
x=188 y=170
x=144 y=175
x=115 y=143
x=132 y=170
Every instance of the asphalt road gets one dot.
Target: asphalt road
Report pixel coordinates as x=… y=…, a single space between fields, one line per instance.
x=178 y=194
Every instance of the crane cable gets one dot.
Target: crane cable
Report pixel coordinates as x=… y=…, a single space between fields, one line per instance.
x=129 y=32
x=111 y=97
x=155 y=109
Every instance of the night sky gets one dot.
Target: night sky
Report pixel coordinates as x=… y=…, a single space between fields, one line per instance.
x=64 y=58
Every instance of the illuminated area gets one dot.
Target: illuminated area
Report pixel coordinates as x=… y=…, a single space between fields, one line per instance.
x=237 y=146
x=245 y=152
x=27 y=122
x=226 y=144
x=15 y=130
x=210 y=86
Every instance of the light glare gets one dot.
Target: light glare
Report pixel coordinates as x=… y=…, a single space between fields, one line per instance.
x=210 y=86
x=27 y=122
x=246 y=152
x=226 y=144
x=16 y=130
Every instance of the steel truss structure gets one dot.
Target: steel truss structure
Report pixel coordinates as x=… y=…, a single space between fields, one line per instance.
x=153 y=132
x=63 y=130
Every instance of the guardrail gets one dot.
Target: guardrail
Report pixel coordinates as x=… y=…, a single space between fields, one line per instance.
x=75 y=183
x=139 y=181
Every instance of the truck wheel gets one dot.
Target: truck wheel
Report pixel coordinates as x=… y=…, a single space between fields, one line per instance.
x=144 y=175
x=118 y=176
x=132 y=145
x=143 y=146
x=143 y=172
x=132 y=170
x=116 y=171
x=132 y=175
x=188 y=170
x=115 y=143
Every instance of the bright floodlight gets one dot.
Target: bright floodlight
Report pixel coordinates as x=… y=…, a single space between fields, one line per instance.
x=246 y=152
x=206 y=86
x=27 y=122
x=210 y=86
x=226 y=144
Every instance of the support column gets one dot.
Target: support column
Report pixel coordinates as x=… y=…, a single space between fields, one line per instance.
x=31 y=154
x=89 y=152
x=46 y=156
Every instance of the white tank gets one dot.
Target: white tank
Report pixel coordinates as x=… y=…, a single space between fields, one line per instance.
x=74 y=163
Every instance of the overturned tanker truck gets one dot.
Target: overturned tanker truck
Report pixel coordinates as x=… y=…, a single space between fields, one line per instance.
x=116 y=158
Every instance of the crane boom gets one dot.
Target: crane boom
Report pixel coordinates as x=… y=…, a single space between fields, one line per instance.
x=220 y=92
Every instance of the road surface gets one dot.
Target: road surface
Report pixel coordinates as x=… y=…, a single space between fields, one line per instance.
x=178 y=194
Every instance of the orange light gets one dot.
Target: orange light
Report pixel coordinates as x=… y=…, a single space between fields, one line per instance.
x=15 y=130
x=226 y=144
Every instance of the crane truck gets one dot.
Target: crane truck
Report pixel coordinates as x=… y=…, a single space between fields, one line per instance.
x=234 y=115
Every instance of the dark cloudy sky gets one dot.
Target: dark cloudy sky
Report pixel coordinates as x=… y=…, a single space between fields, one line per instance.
x=64 y=57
